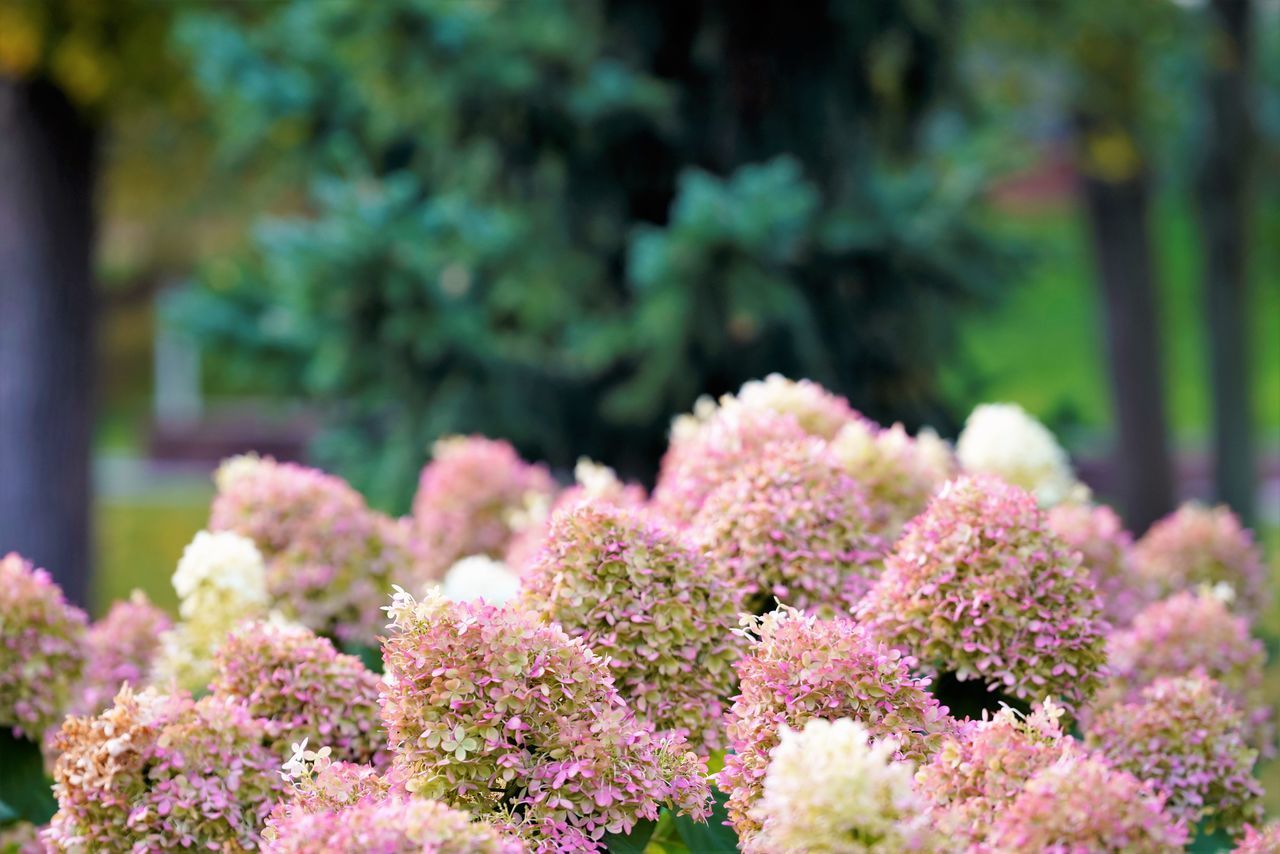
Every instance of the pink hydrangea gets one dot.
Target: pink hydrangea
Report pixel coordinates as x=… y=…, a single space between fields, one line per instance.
x=594 y=484
x=301 y=687
x=800 y=668
x=474 y=496
x=1184 y=739
x=1203 y=545
x=654 y=608
x=41 y=648
x=979 y=770
x=791 y=525
x=1192 y=631
x=978 y=586
x=158 y=772
x=121 y=647
x=22 y=837
x=1255 y=841
x=490 y=710
x=1080 y=804
x=1097 y=533
x=703 y=456
x=394 y=825
x=330 y=559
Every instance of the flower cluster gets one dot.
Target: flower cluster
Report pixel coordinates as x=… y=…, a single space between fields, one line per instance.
x=220 y=580
x=1001 y=439
x=474 y=496
x=1097 y=533
x=1080 y=803
x=830 y=787
x=121 y=647
x=978 y=586
x=392 y=825
x=41 y=647
x=1255 y=841
x=21 y=837
x=792 y=525
x=300 y=686
x=898 y=473
x=320 y=784
x=982 y=768
x=1184 y=739
x=817 y=410
x=480 y=577
x=158 y=772
x=1203 y=545
x=801 y=668
x=654 y=608
x=493 y=711
x=1190 y=632
x=330 y=559
x=706 y=454
x=595 y=484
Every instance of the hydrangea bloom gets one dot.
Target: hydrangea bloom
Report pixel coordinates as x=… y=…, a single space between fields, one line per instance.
x=22 y=837
x=650 y=605
x=474 y=495
x=818 y=411
x=330 y=559
x=1097 y=533
x=1203 y=545
x=393 y=825
x=490 y=710
x=1192 y=631
x=121 y=647
x=1183 y=738
x=1080 y=804
x=220 y=580
x=1003 y=440
x=982 y=768
x=792 y=525
x=1255 y=841
x=480 y=577
x=830 y=787
x=158 y=772
x=595 y=484
x=300 y=686
x=705 y=454
x=800 y=668
x=898 y=473
x=41 y=647
x=978 y=586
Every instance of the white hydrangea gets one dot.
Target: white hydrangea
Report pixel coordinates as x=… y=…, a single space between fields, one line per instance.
x=480 y=577
x=830 y=788
x=1003 y=440
x=233 y=469
x=899 y=473
x=220 y=580
x=596 y=479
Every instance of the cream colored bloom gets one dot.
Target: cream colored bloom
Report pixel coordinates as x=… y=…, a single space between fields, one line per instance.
x=1003 y=440
x=480 y=577
x=831 y=788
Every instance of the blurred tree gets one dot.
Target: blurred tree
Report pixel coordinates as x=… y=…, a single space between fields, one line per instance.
x=560 y=221
x=1223 y=180
x=1107 y=50
x=64 y=64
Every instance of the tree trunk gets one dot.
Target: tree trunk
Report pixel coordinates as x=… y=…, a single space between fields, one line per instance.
x=1222 y=185
x=1117 y=211
x=48 y=159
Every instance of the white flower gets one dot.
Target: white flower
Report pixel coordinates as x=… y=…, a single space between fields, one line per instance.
x=217 y=568
x=596 y=479
x=480 y=577
x=1003 y=440
x=831 y=788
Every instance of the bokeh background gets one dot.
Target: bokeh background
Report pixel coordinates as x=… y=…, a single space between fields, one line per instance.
x=334 y=230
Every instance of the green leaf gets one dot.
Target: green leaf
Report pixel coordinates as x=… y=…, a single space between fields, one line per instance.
x=714 y=837
x=25 y=791
x=633 y=842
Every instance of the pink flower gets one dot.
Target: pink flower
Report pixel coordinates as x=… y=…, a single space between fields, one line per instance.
x=800 y=668
x=658 y=611
x=979 y=586
x=121 y=647
x=791 y=525
x=1097 y=533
